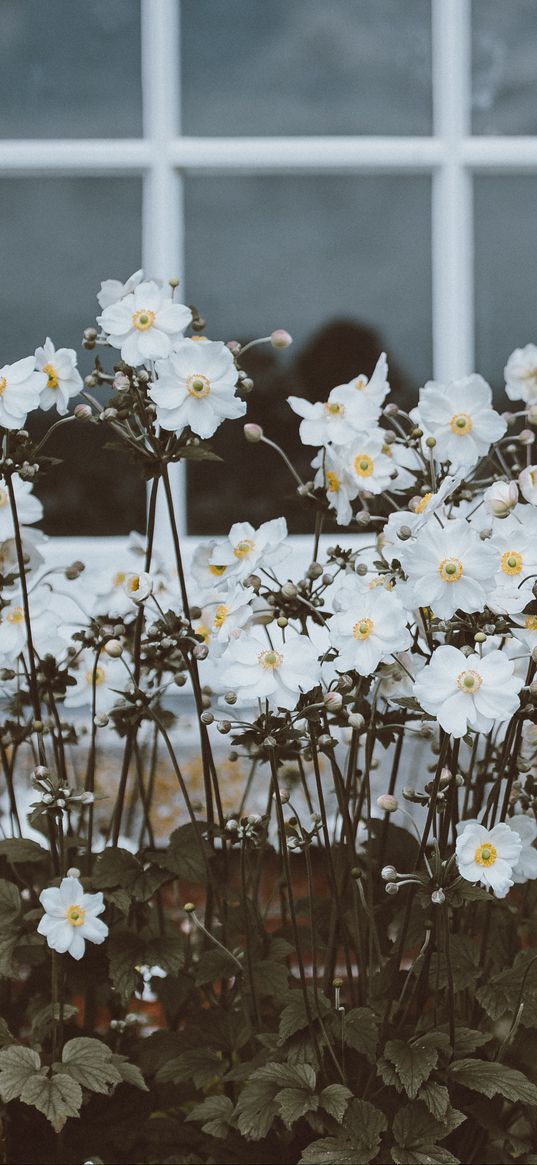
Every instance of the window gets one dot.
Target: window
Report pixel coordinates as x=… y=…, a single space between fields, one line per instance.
x=363 y=173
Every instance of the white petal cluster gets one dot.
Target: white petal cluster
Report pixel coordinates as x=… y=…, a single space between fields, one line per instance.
x=521 y=374
x=21 y=385
x=368 y=628
x=450 y=568
x=468 y=691
x=71 y=918
x=145 y=324
x=63 y=378
x=489 y=856
x=277 y=670
x=461 y=419
x=196 y=387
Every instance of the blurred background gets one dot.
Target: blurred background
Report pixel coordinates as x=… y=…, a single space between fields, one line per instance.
x=362 y=173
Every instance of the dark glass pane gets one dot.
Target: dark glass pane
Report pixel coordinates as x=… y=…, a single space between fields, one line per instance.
x=60 y=238
x=306 y=67
x=504 y=67
x=70 y=69
x=506 y=271
x=344 y=264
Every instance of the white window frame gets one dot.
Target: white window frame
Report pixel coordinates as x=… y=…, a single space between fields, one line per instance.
x=163 y=157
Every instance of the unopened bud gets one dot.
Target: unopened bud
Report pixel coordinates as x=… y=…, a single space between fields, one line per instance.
x=253 y=433
x=200 y=651
x=230 y=697
x=189 y=907
x=387 y=802
x=82 y=412
x=526 y=437
x=280 y=338
x=333 y=701
x=388 y=873
x=404 y=533
x=391 y=888
x=356 y=720
x=438 y=897
x=73 y=872
x=100 y=720
x=224 y=726
x=207 y=718
x=430 y=442
x=315 y=570
x=113 y=648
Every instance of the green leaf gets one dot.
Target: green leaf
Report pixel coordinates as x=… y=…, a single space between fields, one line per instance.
x=468 y=1040
x=271 y=978
x=415 y=1129
x=184 y=856
x=501 y=994
x=8 y=944
x=215 y=964
x=125 y=952
x=258 y=1106
x=295 y=1103
x=413 y=1063
x=360 y=1031
x=130 y=1073
x=294 y=1017
x=10 y=903
x=17 y=1064
x=5 y=1035
x=203 y=1066
x=165 y=950
x=215 y=1113
x=89 y=1062
x=435 y=1097
x=57 y=1097
x=334 y=1099
x=21 y=849
x=425 y=1155
x=196 y=453
x=116 y=867
x=357 y=1144
x=492 y=1078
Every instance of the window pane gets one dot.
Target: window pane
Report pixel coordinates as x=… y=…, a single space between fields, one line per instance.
x=342 y=263
x=60 y=238
x=504 y=66
x=506 y=272
x=306 y=67
x=70 y=69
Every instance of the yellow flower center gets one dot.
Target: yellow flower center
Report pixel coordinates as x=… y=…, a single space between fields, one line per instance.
x=133 y=584
x=143 y=319
x=332 y=481
x=16 y=615
x=221 y=615
x=270 y=659
x=512 y=562
x=334 y=409
x=204 y=631
x=243 y=548
x=469 y=681
x=451 y=569
x=217 y=570
x=422 y=505
x=76 y=915
x=119 y=578
x=362 y=630
x=100 y=676
x=461 y=424
x=486 y=854
x=3 y=385
x=198 y=385
x=364 y=466
x=4 y=497
x=531 y=622
x=361 y=382
x=53 y=378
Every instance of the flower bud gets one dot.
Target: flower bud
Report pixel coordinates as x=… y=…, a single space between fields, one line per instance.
x=480 y=637
x=501 y=497
x=73 y=872
x=280 y=338
x=253 y=581
x=333 y=701
x=82 y=412
x=253 y=433
x=356 y=720
x=113 y=648
x=391 y=888
x=387 y=802
x=223 y=727
x=207 y=718
x=138 y=587
x=430 y=442
x=314 y=570
x=100 y=720
x=200 y=651
x=526 y=437
x=404 y=533
x=189 y=907
x=230 y=697
x=388 y=873
x=75 y=570
x=438 y=897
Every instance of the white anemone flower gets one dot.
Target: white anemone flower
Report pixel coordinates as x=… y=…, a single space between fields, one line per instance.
x=521 y=374
x=45 y=621
x=516 y=543
x=206 y=568
x=113 y=289
x=63 y=378
x=71 y=918
x=20 y=389
x=369 y=629
x=337 y=420
x=488 y=856
x=138 y=586
x=501 y=498
x=461 y=418
x=338 y=483
x=368 y=463
x=524 y=628
x=450 y=568
x=278 y=670
x=408 y=464
x=245 y=548
x=145 y=324
x=226 y=612
x=196 y=387
x=377 y=387
x=527 y=481
x=29 y=508
x=468 y=691
x=106 y=675
x=526 y=828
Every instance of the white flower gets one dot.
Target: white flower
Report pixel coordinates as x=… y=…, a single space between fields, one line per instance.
x=407 y=462
x=45 y=621
x=521 y=374
x=245 y=547
x=526 y=828
x=461 y=417
x=524 y=628
x=488 y=856
x=450 y=568
x=196 y=387
x=145 y=324
x=113 y=289
x=377 y=388
x=206 y=568
x=9 y=562
x=227 y=611
x=138 y=586
x=276 y=671
x=368 y=463
x=339 y=484
x=527 y=481
x=63 y=377
x=468 y=691
x=501 y=497
x=516 y=543
x=369 y=628
x=29 y=508
x=109 y=674
x=20 y=387
x=71 y=918
x=337 y=420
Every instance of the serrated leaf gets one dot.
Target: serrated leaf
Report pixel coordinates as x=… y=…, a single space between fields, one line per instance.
x=118 y=868
x=271 y=978
x=357 y=1144
x=257 y=1106
x=17 y=1064
x=130 y=1073
x=89 y=1062
x=360 y=1031
x=22 y=849
x=215 y=1113
x=490 y=1079
x=200 y=1065
x=294 y=1017
x=185 y=854
x=468 y=1040
x=435 y=1097
x=426 y=1155
x=196 y=453
x=334 y=1099
x=215 y=964
x=413 y=1063
x=10 y=903
x=57 y=1097
x=295 y=1103
x=415 y=1128
x=43 y=1019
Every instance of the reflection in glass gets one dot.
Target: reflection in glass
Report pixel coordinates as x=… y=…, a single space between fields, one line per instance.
x=60 y=238
x=504 y=66
x=344 y=264
x=506 y=271
x=306 y=67
x=70 y=69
